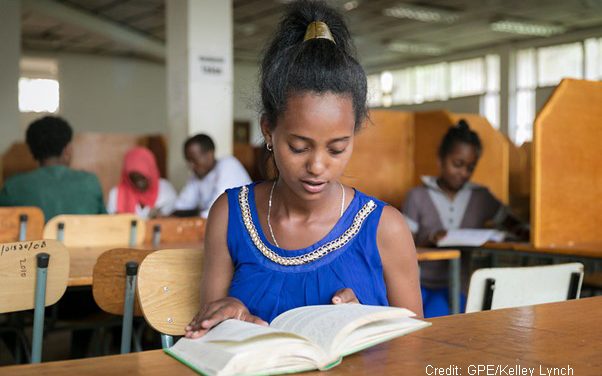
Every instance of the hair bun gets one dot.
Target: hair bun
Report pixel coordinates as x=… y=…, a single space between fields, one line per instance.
x=463 y=125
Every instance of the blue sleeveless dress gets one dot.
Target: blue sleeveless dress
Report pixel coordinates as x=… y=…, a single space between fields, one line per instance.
x=271 y=280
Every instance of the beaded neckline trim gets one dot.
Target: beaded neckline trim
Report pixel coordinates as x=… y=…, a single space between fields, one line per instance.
x=333 y=245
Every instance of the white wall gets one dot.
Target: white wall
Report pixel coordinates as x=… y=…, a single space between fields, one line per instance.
x=107 y=94
x=247 y=102
x=10 y=50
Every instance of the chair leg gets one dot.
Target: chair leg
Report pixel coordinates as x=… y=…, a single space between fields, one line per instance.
x=40 y=304
x=131 y=269
x=166 y=341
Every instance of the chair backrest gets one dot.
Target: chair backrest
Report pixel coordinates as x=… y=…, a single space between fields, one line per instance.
x=18 y=273
x=497 y=288
x=175 y=230
x=95 y=230
x=169 y=283
x=108 y=286
x=28 y=220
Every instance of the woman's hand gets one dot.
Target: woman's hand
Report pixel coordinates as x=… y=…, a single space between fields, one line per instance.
x=218 y=311
x=435 y=237
x=343 y=296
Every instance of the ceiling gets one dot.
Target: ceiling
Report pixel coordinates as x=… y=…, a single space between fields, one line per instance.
x=56 y=25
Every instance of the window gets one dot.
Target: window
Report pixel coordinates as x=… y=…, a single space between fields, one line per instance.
x=521 y=127
x=430 y=83
x=467 y=77
x=593 y=59
x=38 y=86
x=38 y=95
x=558 y=62
x=374 y=92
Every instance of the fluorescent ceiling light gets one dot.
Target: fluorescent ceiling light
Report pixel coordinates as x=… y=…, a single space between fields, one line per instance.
x=527 y=28
x=422 y=13
x=417 y=48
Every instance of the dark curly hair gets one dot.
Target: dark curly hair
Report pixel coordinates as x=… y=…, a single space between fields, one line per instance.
x=201 y=139
x=291 y=66
x=459 y=133
x=47 y=137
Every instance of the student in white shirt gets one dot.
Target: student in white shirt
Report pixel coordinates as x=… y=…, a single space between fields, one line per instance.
x=141 y=191
x=211 y=176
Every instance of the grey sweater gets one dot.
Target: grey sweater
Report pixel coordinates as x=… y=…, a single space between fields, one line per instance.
x=428 y=210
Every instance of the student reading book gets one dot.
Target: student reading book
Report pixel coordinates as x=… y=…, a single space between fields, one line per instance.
x=450 y=202
x=305 y=338
x=304 y=238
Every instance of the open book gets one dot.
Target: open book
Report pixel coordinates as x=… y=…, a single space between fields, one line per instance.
x=470 y=237
x=302 y=339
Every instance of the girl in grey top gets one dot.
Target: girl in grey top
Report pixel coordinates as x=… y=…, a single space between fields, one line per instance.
x=449 y=202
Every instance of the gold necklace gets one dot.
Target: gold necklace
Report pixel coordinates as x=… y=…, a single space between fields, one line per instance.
x=270 y=209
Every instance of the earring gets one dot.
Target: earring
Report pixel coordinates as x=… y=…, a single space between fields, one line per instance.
x=269 y=147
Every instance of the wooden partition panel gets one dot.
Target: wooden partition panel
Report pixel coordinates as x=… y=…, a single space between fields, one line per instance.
x=99 y=153
x=520 y=179
x=567 y=167
x=10 y=223
x=382 y=163
x=493 y=168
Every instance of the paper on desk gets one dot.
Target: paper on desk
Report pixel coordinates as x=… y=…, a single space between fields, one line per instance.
x=470 y=237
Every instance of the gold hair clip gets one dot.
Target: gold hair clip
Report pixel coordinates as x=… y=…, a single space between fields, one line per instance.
x=318 y=29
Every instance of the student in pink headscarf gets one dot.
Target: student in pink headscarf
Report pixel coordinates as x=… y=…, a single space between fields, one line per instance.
x=141 y=190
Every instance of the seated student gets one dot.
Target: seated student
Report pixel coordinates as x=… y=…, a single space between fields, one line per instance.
x=141 y=190
x=305 y=238
x=53 y=187
x=211 y=177
x=449 y=201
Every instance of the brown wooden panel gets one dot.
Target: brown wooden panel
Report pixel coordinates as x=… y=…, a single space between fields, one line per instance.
x=17 y=159
x=493 y=168
x=102 y=154
x=382 y=160
x=169 y=283
x=520 y=179
x=10 y=223
x=95 y=230
x=158 y=146
x=247 y=156
x=18 y=266
x=99 y=153
x=176 y=230
x=567 y=175
x=109 y=279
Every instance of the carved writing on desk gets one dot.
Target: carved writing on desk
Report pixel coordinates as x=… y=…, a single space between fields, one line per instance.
x=23 y=267
x=22 y=246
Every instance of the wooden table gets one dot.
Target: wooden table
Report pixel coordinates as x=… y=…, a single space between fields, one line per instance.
x=577 y=252
x=560 y=335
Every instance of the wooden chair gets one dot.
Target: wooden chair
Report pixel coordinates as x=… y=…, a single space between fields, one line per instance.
x=496 y=288
x=114 y=288
x=34 y=275
x=20 y=223
x=168 y=288
x=96 y=230
x=174 y=230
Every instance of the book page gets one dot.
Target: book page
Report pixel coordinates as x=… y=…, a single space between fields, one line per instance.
x=237 y=331
x=235 y=347
x=324 y=323
x=469 y=237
